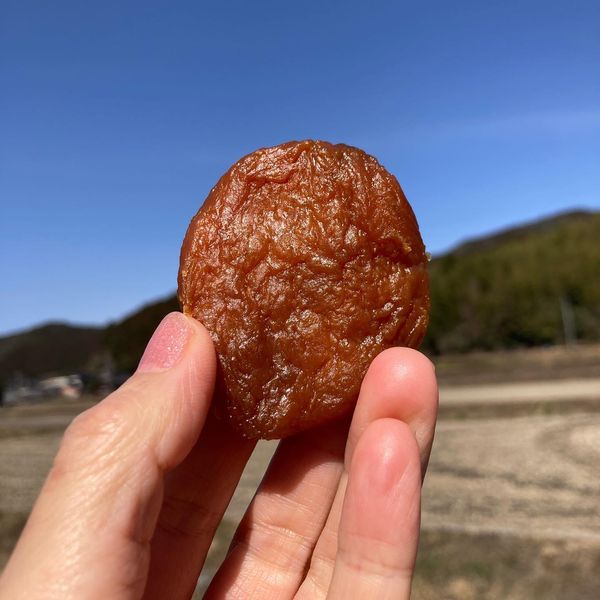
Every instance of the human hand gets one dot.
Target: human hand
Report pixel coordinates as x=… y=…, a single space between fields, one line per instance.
x=142 y=480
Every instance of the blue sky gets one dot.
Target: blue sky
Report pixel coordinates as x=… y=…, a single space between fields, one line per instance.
x=116 y=119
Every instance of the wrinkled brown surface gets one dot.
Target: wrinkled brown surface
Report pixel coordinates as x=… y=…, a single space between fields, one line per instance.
x=304 y=263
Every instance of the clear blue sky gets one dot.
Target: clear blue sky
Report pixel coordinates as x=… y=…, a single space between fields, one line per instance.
x=116 y=118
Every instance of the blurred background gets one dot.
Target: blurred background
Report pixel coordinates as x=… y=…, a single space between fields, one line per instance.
x=117 y=118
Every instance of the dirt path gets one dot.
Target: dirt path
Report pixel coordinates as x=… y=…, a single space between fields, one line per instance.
x=532 y=391
x=528 y=476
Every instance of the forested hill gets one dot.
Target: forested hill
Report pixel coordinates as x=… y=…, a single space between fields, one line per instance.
x=52 y=348
x=519 y=287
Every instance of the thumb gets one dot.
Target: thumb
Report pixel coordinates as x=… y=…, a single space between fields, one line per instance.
x=89 y=532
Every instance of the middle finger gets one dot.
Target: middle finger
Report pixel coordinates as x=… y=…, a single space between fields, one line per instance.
x=272 y=547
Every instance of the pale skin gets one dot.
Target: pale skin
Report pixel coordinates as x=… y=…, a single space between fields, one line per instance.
x=141 y=482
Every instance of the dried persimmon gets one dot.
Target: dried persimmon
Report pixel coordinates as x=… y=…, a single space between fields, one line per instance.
x=304 y=262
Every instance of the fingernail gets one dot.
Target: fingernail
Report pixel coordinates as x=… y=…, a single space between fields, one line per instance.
x=166 y=344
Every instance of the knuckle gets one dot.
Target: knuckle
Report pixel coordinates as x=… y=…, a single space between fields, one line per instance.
x=93 y=432
x=95 y=423
x=265 y=535
x=319 y=573
x=98 y=439
x=374 y=557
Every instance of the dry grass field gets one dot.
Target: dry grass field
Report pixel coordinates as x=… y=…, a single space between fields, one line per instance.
x=511 y=503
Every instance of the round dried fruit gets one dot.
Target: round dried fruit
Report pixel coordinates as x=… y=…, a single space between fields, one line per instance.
x=304 y=262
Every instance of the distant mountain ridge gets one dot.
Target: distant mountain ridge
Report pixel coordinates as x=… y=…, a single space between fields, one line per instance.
x=502 y=290
x=49 y=349
x=519 y=231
